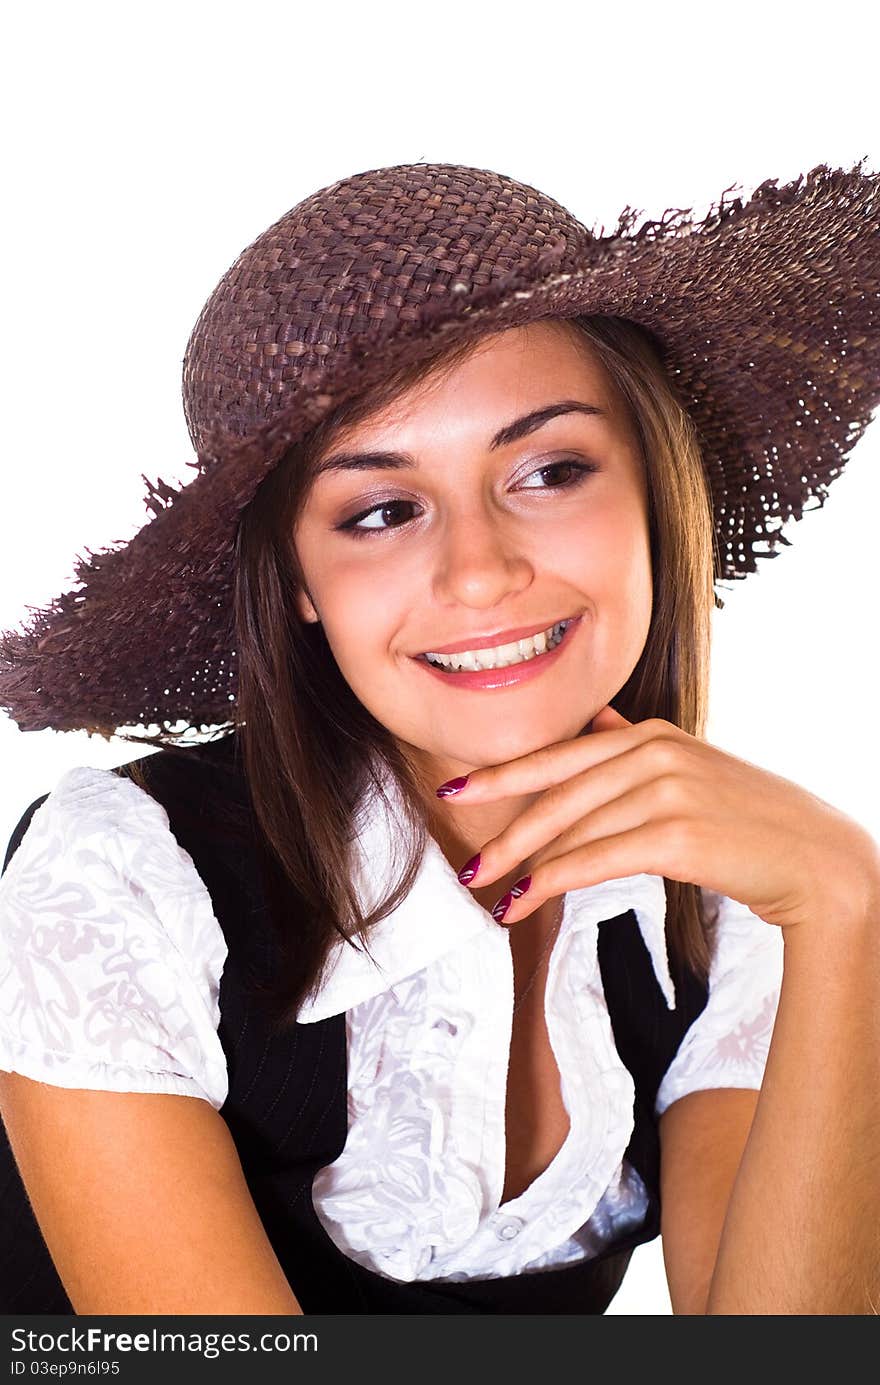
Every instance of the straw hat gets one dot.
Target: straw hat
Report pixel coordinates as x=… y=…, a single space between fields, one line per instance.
x=766 y=312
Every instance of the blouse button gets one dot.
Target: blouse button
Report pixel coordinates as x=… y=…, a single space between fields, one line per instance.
x=510 y=1227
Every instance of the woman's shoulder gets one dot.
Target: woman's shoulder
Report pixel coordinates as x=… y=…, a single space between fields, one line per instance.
x=128 y=804
x=106 y=844
x=110 y=953
x=87 y=807
x=90 y=812
x=728 y=1042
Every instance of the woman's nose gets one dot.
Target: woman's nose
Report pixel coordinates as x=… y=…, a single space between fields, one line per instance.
x=480 y=559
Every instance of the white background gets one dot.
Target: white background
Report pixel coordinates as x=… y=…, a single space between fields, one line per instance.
x=147 y=146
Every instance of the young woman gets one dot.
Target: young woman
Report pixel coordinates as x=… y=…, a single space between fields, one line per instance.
x=460 y=963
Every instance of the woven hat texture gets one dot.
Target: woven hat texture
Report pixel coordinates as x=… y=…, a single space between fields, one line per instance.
x=766 y=311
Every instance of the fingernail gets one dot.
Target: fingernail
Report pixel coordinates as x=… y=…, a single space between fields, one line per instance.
x=452 y=786
x=469 y=869
x=506 y=900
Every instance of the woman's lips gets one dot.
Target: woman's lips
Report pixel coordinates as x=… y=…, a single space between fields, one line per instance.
x=502 y=677
x=522 y=632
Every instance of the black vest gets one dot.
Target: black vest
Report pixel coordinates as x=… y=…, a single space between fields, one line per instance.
x=282 y=1143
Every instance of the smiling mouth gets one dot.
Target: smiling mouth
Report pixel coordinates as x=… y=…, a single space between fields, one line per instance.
x=501 y=656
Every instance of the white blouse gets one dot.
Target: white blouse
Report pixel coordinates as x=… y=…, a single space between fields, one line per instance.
x=110 y=966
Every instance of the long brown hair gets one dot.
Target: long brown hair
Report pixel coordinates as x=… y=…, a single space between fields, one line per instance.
x=310 y=749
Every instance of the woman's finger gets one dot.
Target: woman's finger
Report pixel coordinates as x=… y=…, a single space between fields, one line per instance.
x=561 y=811
x=633 y=851
x=551 y=764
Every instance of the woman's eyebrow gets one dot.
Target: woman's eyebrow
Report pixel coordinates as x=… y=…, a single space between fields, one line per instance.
x=511 y=432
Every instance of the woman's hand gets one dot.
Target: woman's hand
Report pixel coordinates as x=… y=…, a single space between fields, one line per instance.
x=631 y=798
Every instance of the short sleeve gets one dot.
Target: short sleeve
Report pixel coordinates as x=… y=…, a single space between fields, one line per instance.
x=110 y=954
x=728 y=1042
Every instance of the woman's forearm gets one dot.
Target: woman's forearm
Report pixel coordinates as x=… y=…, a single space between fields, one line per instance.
x=802 y=1232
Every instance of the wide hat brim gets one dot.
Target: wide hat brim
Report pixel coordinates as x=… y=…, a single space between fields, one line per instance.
x=766 y=313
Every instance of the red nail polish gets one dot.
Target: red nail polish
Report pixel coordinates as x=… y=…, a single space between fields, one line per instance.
x=469 y=870
x=506 y=900
x=452 y=786
x=502 y=906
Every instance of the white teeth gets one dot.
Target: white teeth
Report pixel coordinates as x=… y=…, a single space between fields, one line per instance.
x=502 y=656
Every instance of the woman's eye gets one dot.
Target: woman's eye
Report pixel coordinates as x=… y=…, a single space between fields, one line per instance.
x=355 y=525
x=580 y=470
x=577 y=472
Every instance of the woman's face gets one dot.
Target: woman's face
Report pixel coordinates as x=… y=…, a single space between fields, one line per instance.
x=471 y=527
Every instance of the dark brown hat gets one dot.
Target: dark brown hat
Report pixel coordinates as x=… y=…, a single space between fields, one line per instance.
x=766 y=312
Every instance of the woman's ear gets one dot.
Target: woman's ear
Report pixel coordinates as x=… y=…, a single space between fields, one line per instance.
x=305 y=606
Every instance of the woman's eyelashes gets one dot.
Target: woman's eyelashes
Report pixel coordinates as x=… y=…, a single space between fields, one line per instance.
x=580 y=471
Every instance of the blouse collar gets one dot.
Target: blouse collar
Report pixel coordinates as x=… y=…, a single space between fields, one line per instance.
x=439 y=914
